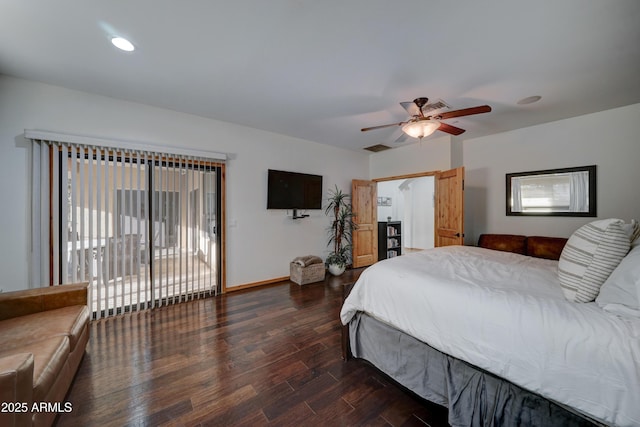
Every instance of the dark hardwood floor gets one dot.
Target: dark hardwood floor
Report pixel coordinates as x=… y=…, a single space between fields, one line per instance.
x=269 y=356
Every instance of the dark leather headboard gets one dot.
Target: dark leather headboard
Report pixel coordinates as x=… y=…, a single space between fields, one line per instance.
x=535 y=246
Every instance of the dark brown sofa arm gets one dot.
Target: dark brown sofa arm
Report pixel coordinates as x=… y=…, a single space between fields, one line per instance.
x=535 y=246
x=545 y=247
x=16 y=388
x=504 y=242
x=29 y=301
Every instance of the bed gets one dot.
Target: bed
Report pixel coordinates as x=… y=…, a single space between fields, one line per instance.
x=487 y=332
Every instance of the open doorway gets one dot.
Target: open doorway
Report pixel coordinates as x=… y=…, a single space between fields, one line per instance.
x=409 y=202
x=434 y=217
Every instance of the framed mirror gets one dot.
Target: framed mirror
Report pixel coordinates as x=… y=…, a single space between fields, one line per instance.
x=552 y=192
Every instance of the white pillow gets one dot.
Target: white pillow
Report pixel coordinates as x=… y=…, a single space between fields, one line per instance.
x=635 y=233
x=592 y=252
x=633 y=230
x=620 y=293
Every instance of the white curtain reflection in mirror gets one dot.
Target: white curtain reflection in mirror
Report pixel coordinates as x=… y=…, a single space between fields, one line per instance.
x=558 y=192
x=579 y=191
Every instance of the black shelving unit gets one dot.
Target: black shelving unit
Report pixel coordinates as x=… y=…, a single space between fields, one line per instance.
x=389 y=239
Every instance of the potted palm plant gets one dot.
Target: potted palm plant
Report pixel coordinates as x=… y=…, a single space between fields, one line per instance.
x=340 y=231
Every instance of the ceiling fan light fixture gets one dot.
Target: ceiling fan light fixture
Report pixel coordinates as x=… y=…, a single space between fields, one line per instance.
x=420 y=128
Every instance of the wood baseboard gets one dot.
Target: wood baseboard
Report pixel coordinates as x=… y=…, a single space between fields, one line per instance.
x=257 y=284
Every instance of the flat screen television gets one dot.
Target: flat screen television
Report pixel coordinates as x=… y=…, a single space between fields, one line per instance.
x=293 y=190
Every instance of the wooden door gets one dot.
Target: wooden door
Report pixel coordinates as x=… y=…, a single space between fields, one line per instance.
x=365 y=237
x=449 y=215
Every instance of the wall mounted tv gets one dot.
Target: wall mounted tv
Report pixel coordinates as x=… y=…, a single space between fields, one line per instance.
x=293 y=190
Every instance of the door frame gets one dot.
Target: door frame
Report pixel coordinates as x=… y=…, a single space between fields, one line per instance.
x=411 y=175
x=389 y=178
x=435 y=174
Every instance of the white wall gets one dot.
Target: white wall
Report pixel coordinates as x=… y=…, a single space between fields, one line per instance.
x=426 y=156
x=260 y=243
x=396 y=210
x=609 y=139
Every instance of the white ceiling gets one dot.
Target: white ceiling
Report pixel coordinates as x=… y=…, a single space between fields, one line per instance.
x=321 y=70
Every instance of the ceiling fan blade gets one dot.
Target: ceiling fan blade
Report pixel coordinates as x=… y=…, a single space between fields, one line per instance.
x=464 y=112
x=450 y=129
x=402 y=138
x=415 y=107
x=382 y=126
x=411 y=108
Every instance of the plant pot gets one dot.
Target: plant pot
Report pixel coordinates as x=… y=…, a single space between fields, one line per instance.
x=336 y=269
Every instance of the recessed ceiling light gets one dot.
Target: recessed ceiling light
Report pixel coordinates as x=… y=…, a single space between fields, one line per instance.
x=529 y=100
x=123 y=44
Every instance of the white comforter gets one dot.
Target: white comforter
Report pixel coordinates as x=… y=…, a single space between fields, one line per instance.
x=505 y=313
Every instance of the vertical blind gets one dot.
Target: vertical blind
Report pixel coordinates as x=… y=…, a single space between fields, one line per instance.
x=141 y=227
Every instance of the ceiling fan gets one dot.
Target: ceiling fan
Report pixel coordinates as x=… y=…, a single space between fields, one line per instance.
x=421 y=125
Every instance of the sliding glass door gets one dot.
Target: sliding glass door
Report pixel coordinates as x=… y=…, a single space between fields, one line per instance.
x=184 y=224
x=143 y=229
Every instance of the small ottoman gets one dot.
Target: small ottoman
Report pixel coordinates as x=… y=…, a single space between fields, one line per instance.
x=306 y=269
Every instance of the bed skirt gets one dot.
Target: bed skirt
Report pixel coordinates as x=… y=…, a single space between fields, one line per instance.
x=474 y=397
